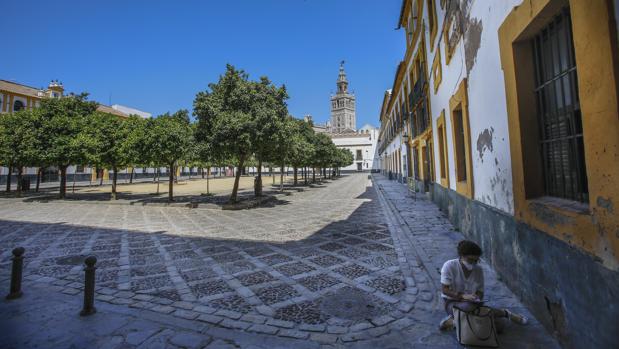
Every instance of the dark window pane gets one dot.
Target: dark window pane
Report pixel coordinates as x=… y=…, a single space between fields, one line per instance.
x=558 y=111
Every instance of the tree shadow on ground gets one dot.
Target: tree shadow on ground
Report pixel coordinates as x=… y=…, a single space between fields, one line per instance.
x=245 y=199
x=345 y=272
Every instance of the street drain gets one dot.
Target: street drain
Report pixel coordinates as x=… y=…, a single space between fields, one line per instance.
x=71 y=260
x=351 y=304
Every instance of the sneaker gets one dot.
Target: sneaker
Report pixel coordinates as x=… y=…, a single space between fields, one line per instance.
x=517 y=318
x=447 y=323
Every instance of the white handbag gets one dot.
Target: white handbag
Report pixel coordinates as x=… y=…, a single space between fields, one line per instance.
x=476 y=327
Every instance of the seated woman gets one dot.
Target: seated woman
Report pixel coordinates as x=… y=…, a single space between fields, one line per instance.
x=462 y=280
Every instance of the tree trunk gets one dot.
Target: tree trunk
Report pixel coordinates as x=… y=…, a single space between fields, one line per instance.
x=237 y=177
x=114 y=178
x=8 y=179
x=313 y=174
x=20 y=172
x=157 y=176
x=208 y=172
x=202 y=171
x=295 y=169
x=63 y=182
x=272 y=175
x=131 y=177
x=73 y=186
x=258 y=182
x=171 y=184
x=305 y=174
x=101 y=179
x=281 y=178
x=39 y=174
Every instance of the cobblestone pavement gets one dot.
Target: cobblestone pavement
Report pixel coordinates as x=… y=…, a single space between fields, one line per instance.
x=427 y=239
x=332 y=265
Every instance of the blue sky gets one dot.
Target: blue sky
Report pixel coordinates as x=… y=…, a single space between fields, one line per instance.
x=156 y=55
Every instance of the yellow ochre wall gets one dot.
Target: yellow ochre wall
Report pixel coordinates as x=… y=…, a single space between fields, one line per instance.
x=595 y=228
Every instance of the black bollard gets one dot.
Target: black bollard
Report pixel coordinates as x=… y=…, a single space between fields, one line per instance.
x=89 y=286
x=16 y=273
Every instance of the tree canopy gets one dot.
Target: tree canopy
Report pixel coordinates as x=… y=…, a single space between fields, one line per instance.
x=239 y=122
x=63 y=119
x=20 y=141
x=169 y=138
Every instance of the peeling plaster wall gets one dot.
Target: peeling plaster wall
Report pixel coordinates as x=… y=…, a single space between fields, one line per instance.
x=565 y=267
x=476 y=57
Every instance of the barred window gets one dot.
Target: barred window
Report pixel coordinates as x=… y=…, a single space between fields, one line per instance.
x=558 y=111
x=441 y=151
x=459 y=146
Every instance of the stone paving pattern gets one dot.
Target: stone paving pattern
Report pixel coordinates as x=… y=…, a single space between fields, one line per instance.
x=339 y=264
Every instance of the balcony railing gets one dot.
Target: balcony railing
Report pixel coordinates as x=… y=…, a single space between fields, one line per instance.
x=418 y=89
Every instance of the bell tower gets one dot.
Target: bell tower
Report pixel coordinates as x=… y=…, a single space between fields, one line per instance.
x=343 y=116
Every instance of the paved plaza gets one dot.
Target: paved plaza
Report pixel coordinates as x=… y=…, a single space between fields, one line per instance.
x=352 y=262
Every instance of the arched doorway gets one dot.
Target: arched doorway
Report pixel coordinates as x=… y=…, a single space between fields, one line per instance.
x=18 y=105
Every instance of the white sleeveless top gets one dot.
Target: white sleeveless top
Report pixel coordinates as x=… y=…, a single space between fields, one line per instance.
x=453 y=276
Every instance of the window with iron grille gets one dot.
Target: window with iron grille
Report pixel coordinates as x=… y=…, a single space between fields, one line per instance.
x=441 y=150
x=421 y=117
x=558 y=111
x=459 y=144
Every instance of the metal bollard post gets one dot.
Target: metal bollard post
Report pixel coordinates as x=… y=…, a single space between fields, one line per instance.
x=89 y=286
x=16 y=273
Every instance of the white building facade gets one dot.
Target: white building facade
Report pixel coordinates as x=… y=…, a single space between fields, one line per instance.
x=362 y=145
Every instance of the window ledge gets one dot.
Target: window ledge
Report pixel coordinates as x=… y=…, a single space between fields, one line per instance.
x=562 y=204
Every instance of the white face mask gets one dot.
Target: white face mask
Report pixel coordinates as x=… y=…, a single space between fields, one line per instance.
x=468 y=266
